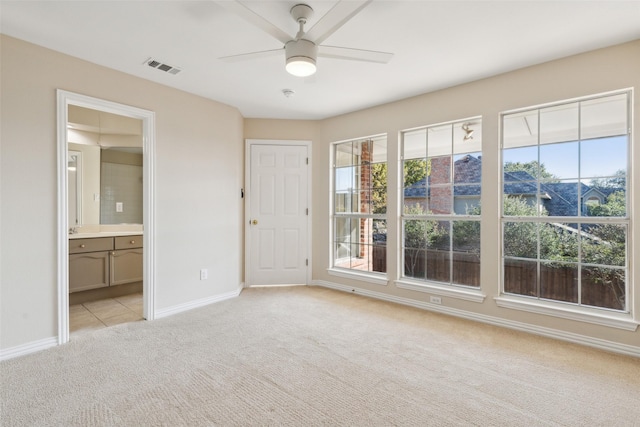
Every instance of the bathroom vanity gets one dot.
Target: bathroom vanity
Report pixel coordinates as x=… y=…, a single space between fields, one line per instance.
x=99 y=260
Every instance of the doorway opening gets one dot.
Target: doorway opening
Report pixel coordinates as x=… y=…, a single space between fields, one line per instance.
x=105 y=211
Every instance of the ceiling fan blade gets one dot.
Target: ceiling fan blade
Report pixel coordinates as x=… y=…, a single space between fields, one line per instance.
x=354 y=54
x=252 y=55
x=257 y=20
x=334 y=19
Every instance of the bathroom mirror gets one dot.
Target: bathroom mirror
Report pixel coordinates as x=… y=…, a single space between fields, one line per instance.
x=74 y=194
x=105 y=168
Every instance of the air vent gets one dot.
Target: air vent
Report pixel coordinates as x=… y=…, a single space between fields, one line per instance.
x=164 y=67
x=159 y=65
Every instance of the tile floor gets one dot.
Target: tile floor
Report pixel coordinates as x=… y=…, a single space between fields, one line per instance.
x=93 y=315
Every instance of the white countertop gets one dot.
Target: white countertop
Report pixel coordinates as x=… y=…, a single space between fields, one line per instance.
x=104 y=234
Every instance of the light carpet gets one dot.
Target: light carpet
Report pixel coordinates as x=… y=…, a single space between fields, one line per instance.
x=309 y=356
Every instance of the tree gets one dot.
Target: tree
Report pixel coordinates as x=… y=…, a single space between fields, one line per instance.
x=466 y=234
x=520 y=238
x=419 y=234
x=616 y=205
x=379 y=188
x=618 y=180
x=605 y=244
x=533 y=168
x=416 y=170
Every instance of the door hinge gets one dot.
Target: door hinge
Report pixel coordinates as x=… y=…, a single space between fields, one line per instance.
x=307 y=211
x=306 y=262
x=307 y=160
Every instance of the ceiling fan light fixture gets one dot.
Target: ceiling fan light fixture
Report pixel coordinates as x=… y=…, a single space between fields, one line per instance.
x=468 y=132
x=301 y=66
x=301 y=57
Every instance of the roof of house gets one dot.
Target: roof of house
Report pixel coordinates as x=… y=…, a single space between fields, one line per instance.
x=559 y=198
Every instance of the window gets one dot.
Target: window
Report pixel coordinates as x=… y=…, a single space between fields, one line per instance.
x=565 y=217
x=360 y=204
x=442 y=169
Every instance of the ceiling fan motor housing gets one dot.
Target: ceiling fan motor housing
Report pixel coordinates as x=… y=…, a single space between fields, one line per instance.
x=303 y=48
x=301 y=54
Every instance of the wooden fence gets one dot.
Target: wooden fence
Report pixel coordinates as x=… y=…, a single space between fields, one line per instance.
x=600 y=288
x=434 y=265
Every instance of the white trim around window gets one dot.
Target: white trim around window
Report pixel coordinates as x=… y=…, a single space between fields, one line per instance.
x=376 y=279
x=567 y=311
x=446 y=290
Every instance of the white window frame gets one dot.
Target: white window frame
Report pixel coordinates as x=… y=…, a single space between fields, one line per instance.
x=447 y=289
x=379 y=278
x=621 y=319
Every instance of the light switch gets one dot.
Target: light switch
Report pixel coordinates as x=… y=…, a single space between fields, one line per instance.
x=119 y=207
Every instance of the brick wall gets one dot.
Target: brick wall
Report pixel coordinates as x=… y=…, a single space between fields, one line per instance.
x=366 y=156
x=440 y=200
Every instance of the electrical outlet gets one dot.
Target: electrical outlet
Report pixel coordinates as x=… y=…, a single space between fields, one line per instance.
x=435 y=300
x=204 y=274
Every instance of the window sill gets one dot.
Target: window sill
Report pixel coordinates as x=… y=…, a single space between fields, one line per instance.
x=613 y=320
x=376 y=279
x=446 y=291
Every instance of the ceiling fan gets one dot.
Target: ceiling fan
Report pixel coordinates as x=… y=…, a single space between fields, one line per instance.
x=302 y=50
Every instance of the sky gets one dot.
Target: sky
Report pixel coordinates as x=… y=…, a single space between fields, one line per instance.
x=587 y=159
x=598 y=157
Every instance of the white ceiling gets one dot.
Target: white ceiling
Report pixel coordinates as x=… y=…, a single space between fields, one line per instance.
x=436 y=44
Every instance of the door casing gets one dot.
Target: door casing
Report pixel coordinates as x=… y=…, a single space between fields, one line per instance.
x=64 y=99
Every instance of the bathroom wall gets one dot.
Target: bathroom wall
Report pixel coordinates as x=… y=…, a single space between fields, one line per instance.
x=120 y=187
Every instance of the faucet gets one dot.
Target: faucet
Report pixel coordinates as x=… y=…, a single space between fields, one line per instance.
x=73 y=230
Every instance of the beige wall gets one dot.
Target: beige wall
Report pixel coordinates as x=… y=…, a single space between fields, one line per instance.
x=591 y=73
x=199 y=172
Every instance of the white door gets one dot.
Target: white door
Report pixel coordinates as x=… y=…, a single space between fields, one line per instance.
x=278 y=215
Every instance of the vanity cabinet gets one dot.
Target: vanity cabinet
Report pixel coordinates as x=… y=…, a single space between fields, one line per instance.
x=89 y=263
x=126 y=260
x=104 y=261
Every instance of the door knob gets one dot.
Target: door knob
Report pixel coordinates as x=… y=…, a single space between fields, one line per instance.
x=254 y=222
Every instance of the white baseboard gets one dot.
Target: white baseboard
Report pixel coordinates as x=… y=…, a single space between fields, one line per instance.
x=43 y=344
x=28 y=348
x=625 y=349
x=169 y=311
